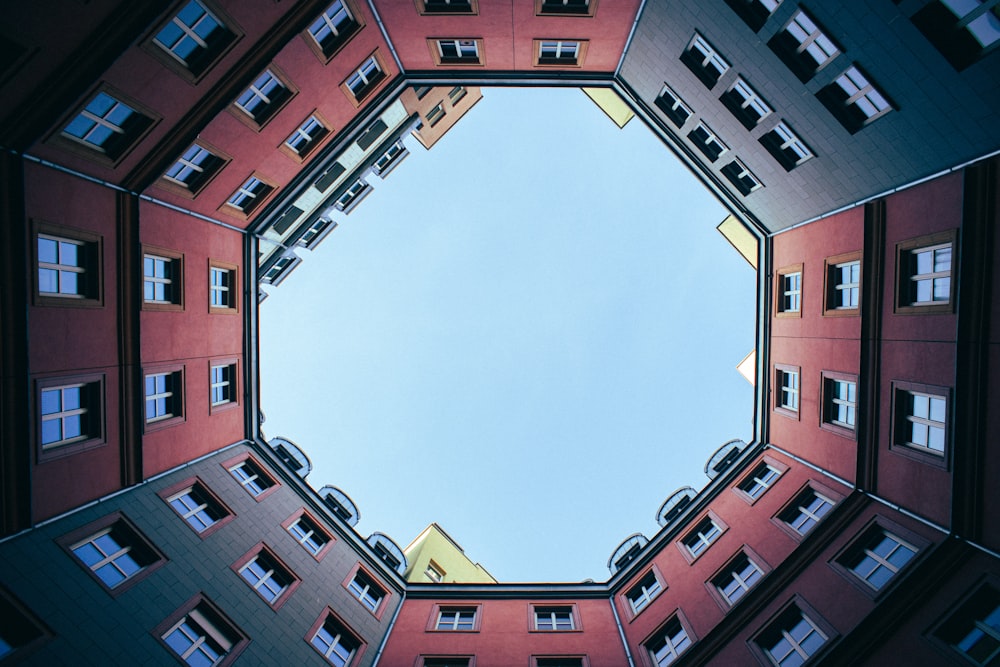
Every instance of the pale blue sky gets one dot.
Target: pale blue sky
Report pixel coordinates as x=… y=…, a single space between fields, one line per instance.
x=528 y=334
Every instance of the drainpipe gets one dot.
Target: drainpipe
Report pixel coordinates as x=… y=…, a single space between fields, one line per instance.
x=392 y=623
x=621 y=631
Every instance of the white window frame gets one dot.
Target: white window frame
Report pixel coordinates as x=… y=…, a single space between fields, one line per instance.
x=795 y=645
x=456 y=620
x=219 y=287
x=640 y=595
x=837 y=405
x=435 y=115
x=879 y=562
x=711 y=140
x=168 y=265
x=366 y=591
x=64 y=414
x=863 y=94
x=666 y=92
x=223 y=384
x=109 y=558
x=751 y=99
x=459 y=50
x=743 y=175
x=935 y=277
x=336 y=651
x=245 y=197
x=674 y=643
x=261 y=94
x=926 y=422
x=169 y=395
x=363 y=76
x=850 y=286
x=811 y=39
x=311 y=539
x=709 y=54
x=188 y=32
x=201 y=633
x=561 y=50
x=763 y=477
x=811 y=513
x=744 y=578
x=99 y=120
x=554 y=619
x=788 y=390
x=353 y=194
x=305 y=136
x=791 y=141
x=702 y=537
x=250 y=478
x=264 y=577
x=196 y=513
x=975 y=17
x=791 y=292
x=63 y=267
x=328 y=22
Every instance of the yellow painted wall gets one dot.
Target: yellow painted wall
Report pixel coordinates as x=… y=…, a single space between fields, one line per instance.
x=448 y=557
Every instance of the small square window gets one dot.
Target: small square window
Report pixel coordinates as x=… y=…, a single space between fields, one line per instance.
x=456 y=619
x=707 y=142
x=107 y=126
x=353 y=196
x=306 y=137
x=669 y=642
x=671 y=104
x=251 y=476
x=71 y=415
x=793 y=637
x=364 y=80
x=554 y=619
x=786 y=390
x=263 y=98
x=331 y=638
x=701 y=537
x=760 y=480
x=963 y=32
x=193 y=39
x=565 y=7
x=68 y=267
x=200 y=634
x=193 y=170
x=162 y=279
x=164 y=397
x=737 y=578
x=222 y=288
x=973 y=629
x=854 y=100
x=457 y=51
x=199 y=508
x=434 y=572
x=560 y=53
x=843 y=285
x=876 y=557
x=741 y=177
x=804 y=46
x=806 y=510
x=745 y=103
x=333 y=29
x=754 y=12
x=448 y=6
x=920 y=421
x=366 y=590
x=924 y=274
x=702 y=59
x=840 y=400
x=249 y=196
x=307 y=532
x=788 y=292
x=785 y=146
x=644 y=592
x=261 y=569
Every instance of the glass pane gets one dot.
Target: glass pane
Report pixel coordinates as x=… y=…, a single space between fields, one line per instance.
x=88 y=554
x=937 y=409
x=51 y=401
x=68 y=283
x=48 y=280
x=71 y=398
x=51 y=431
x=47 y=250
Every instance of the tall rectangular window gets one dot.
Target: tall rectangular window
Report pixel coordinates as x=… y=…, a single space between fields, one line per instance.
x=264 y=97
x=164 y=394
x=789 y=297
x=62 y=269
x=668 y=643
x=808 y=508
x=365 y=79
x=223 y=384
x=643 y=592
x=200 y=635
x=738 y=578
x=792 y=638
x=839 y=401
x=268 y=576
x=843 y=285
x=702 y=537
x=334 y=641
x=786 y=390
x=222 y=288
x=921 y=420
x=162 y=280
x=367 y=591
x=306 y=532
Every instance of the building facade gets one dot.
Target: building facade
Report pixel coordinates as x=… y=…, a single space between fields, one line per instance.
x=164 y=160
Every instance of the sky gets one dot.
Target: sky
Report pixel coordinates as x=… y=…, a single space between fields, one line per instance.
x=528 y=334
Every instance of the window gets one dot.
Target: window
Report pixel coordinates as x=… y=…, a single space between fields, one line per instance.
x=249 y=196
x=785 y=146
x=194 y=38
x=754 y=12
x=281 y=268
x=306 y=137
x=366 y=590
x=333 y=29
x=222 y=288
x=199 y=634
x=803 y=46
x=643 y=592
x=21 y=631
x=364 y=80
x=738 y=577
x=434 y=572
x=72 y=416
x=854 y=100
x=435 y=115
x=449 y=661
x=333 y=640
x=252 y=478
x=194 y=169
x=973 y=629
x=840 y=399
x=264 y=97
x=371 y=134
x=745 y=103
x=806 y=511
x=456 y=94
x=702 y=537
x=786 y=390
x=353 y=196
x=316 y=232
x=921 y=418
x=671 y=104
x=307 y=532
x=560 y=53
x=705 y=140
x=760 y=480
x=565 y=7
x=741 y=177
x=963 y=32
x=789 y=291
x=223 y=384
x=792 y=638
x=162 y=280
x=669 y=642
x=268 y=576
x=702 y=59
x=389 y=159
x=554 y=618
x=164 y=396
x=68 y=268
x=457 y=51
x=558 y=661
x=877 y=557
x=448 y=6
x=456 y=618
x=843 y=285
x=113 y=551
x=198 y=507
x=923 y=274
x=107 y=125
